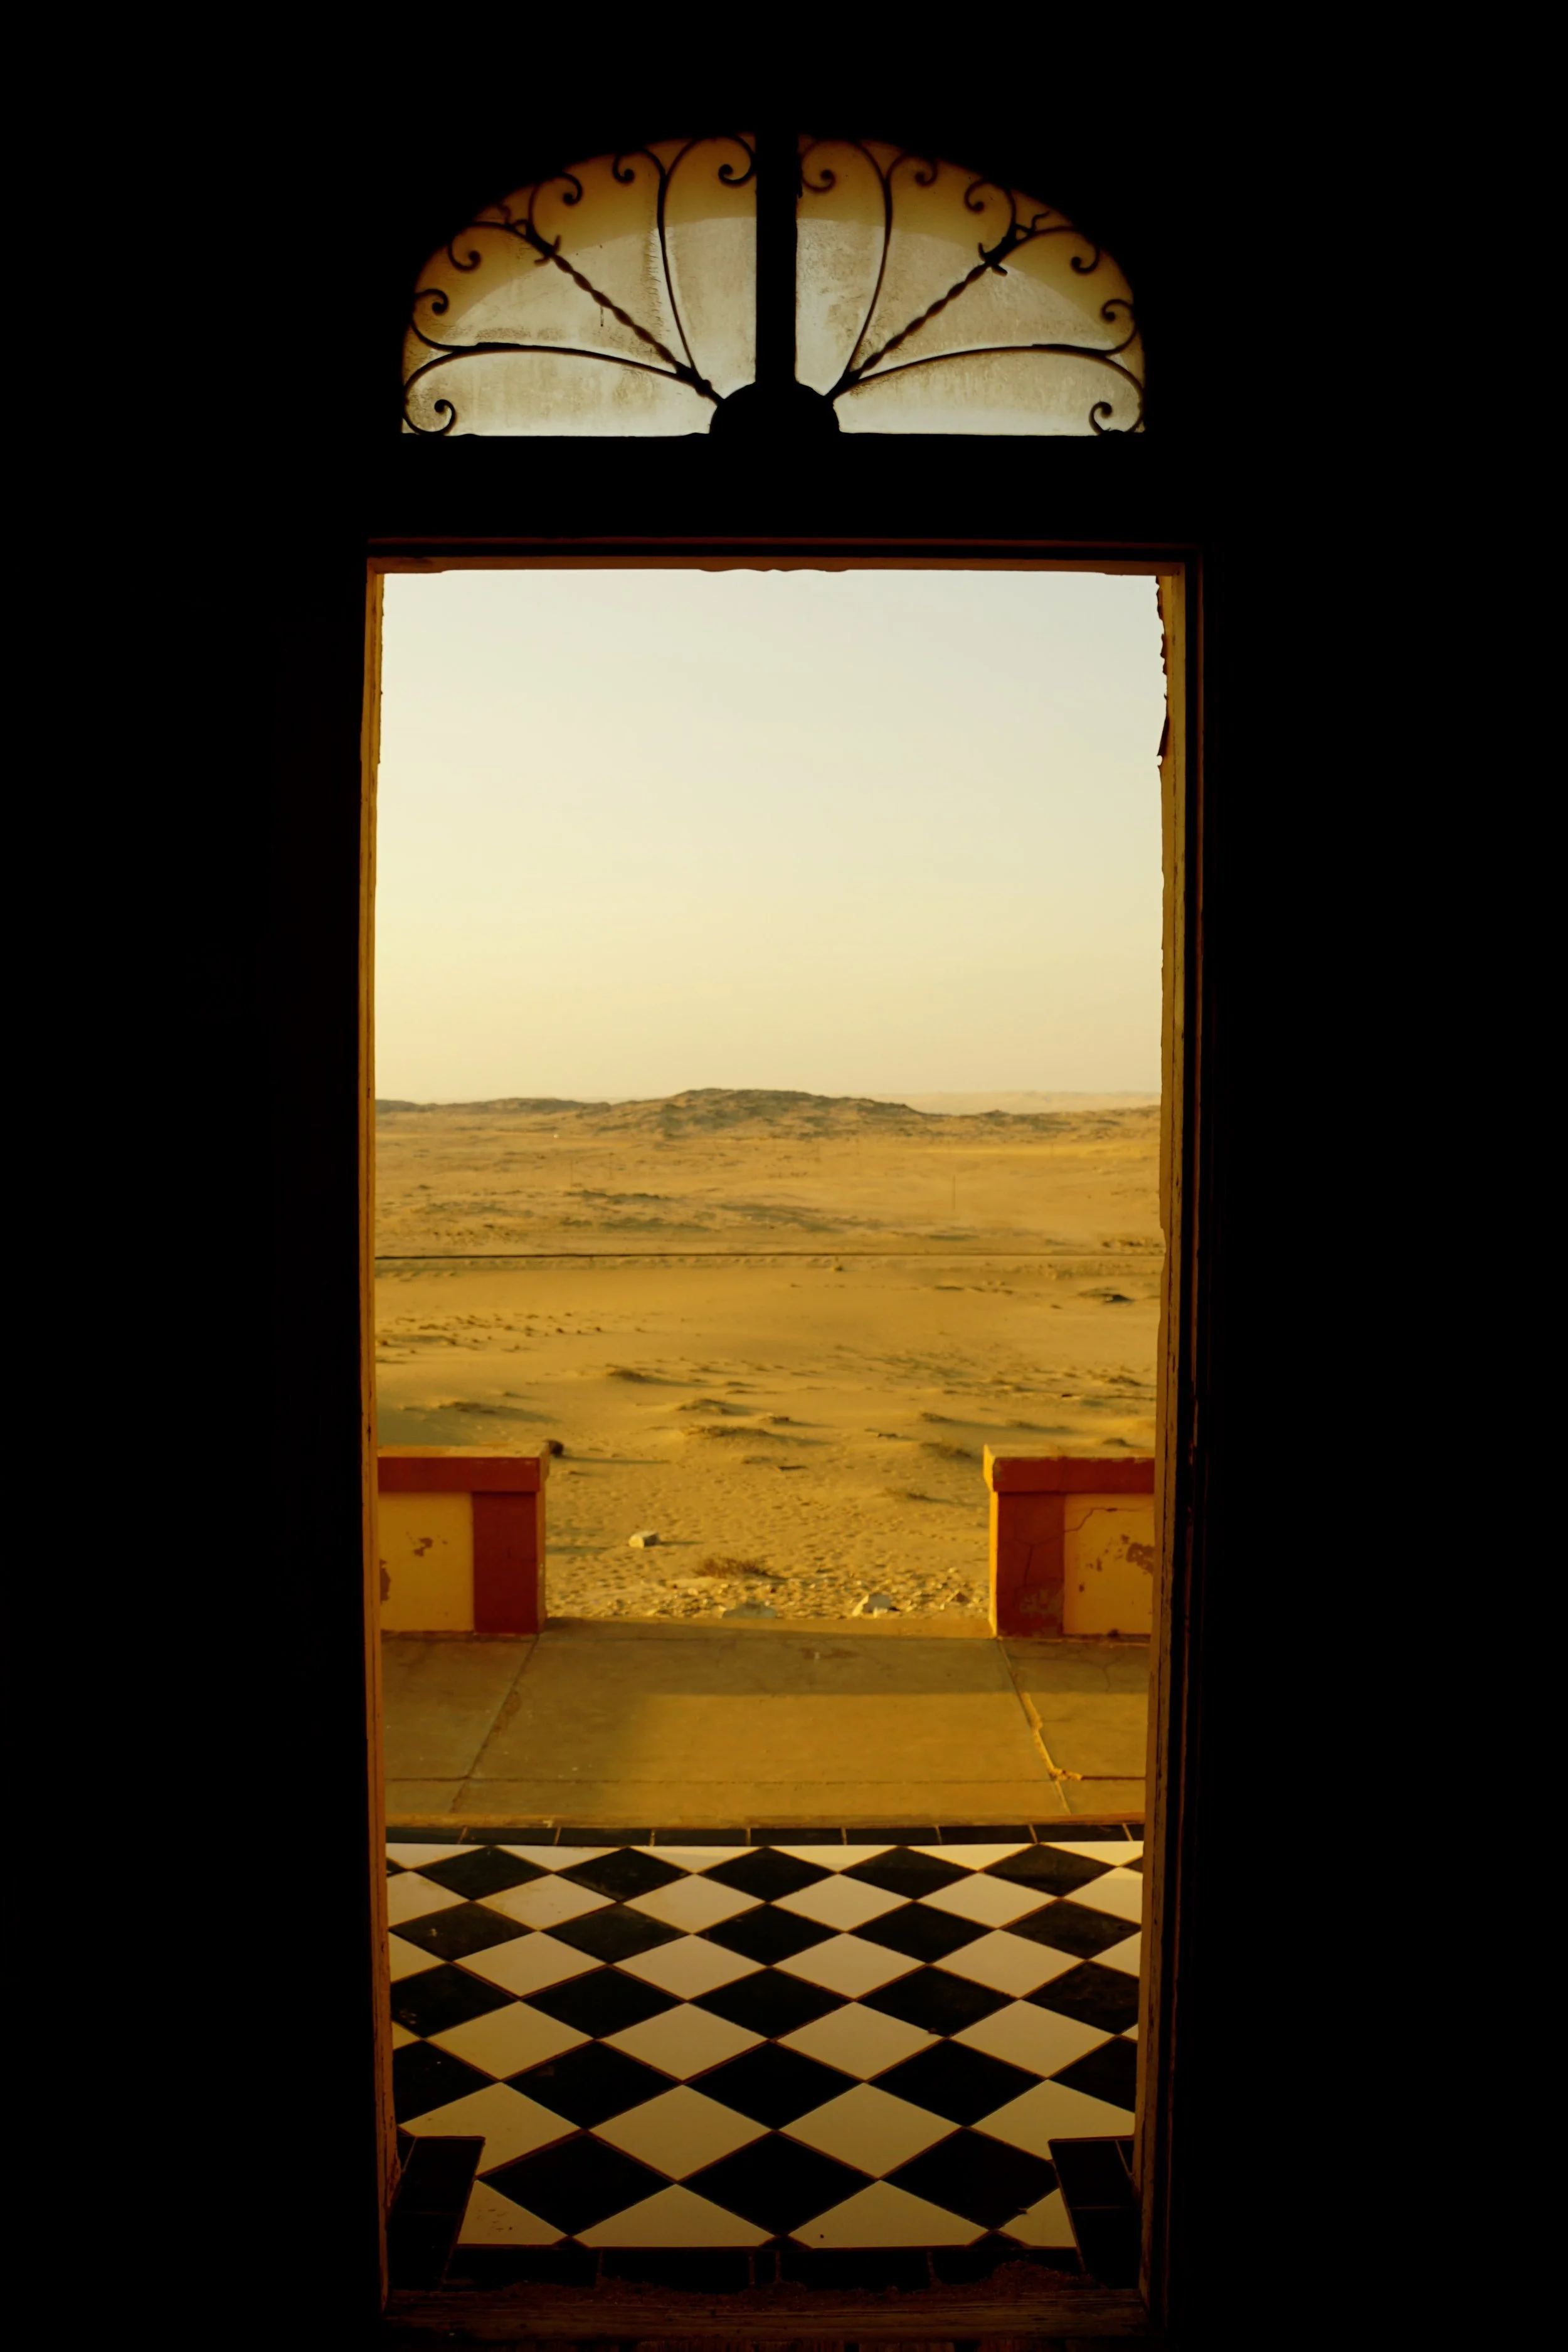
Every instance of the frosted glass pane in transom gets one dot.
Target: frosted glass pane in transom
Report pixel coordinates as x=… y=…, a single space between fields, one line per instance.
x=710 y=242
x=556 y=393
x=621 y=297
x=643 y=265
x=1032 y=297
x=905 y=260
x=840 y=235
x=994 y=392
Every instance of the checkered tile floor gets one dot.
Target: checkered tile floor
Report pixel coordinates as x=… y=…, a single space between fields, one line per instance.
x=743 y=2045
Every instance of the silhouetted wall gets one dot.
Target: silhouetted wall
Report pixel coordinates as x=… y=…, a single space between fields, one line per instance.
x=277 y=451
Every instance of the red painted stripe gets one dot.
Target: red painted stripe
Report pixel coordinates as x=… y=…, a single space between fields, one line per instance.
x=1016 y=1473
x=441 y=1470
x=1028 y=1548
x=508 y=1562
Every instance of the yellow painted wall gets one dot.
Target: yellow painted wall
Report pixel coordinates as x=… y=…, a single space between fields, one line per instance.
x=427 y=1563
x=1109 y=1565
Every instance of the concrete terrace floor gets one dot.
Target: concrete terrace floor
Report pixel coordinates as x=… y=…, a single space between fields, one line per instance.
x=617 y=1723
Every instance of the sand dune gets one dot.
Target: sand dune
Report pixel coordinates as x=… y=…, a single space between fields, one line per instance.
x=776 y=1330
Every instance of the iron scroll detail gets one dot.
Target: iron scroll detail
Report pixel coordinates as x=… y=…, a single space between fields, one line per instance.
x=1021 y=229
x=640 y=324
x=500 y=220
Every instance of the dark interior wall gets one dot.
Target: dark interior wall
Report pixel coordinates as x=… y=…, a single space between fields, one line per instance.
x=258 y=780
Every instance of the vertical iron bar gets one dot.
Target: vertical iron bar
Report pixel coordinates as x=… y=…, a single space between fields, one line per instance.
x=778 y=190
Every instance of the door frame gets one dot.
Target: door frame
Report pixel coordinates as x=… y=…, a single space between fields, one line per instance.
x=620 y=485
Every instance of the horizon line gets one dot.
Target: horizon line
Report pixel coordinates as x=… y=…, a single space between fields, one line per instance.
x=805 y=1094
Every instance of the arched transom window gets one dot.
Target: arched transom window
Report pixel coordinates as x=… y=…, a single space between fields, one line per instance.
x=779 y=283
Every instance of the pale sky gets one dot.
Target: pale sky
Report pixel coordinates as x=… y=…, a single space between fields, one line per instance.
x=860 y=833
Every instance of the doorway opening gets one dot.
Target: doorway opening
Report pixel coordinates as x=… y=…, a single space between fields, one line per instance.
x=769 y=1064
x=768 y=1036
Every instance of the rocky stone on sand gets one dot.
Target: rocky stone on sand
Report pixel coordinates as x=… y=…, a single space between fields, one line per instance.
x=749 y=1609
x=876 y=1604
x=643 y=1539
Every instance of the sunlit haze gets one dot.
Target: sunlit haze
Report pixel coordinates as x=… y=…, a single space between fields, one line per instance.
x=858 y=833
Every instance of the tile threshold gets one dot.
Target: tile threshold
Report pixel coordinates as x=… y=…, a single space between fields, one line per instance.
x=773 y=2102
x=483 y=1828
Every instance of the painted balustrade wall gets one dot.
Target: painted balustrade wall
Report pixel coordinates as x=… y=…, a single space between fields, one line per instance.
x=461 y=1540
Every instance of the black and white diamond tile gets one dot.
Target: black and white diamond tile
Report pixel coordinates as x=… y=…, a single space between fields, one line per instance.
x=851 y=2043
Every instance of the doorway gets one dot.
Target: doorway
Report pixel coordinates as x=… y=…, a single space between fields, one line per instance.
x=971 y=1866
x=721 y=919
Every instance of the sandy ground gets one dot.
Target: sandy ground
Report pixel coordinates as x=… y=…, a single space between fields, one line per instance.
x=801 y=1426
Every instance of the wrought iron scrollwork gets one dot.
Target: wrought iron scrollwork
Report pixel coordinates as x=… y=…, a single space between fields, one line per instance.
x=1020 y=232
x=500 y=220
x=873 y=359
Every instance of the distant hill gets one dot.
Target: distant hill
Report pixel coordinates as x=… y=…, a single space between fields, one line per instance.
x=1026 y=1103
x=711 y=1110
x=781 y=1110
x=502 y=1102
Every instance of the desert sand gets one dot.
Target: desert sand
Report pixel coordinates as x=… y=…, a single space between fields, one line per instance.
x=773 y=1331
